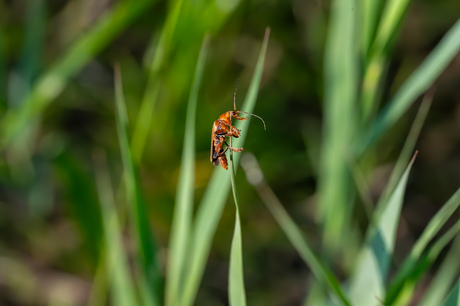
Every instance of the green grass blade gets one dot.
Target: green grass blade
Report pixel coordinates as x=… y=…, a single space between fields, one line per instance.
x=444 y=278
x=454 y=296
x=325 y=277
x=401 y=287
x=182 y=219
x=236 y=292
x=144 y=117
x=213 y=201
x=122 y=286
x=340 y=91
x=150 y=279
x=418 y=82
x=52 y=82
x=392 y=17
x=371 y=17
x=369 y=276
x=408 y=148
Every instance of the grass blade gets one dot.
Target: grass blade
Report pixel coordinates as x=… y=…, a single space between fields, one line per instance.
x=408 y=147
x=371 y=17
x=341 y=86
x=367 y=281
x=325 y=277
x=150 y=279
x=51 y=84
x=418 y=82
x=144 y=117
x=237 y=294
x=401 y=288
x=392 y=17
x=445 y=277
x=454 y=296
x=211 y=207
x=182 y=219
x=117 y=264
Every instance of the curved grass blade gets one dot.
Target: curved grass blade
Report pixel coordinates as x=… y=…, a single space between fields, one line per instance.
x=401 y=287
x=150 y=278
x=122 y=285
x=236 y=292
x=213 y=201
x=51 y=84
x=369 y=276
x=418 y=82
x=182 y=219
x=324 y=276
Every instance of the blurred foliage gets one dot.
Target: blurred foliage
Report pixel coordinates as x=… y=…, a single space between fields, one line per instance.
x=57 y=111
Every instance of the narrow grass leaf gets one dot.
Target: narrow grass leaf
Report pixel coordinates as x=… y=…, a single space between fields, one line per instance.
x=237 y=294
x=150 y=279
x=340 y=92
x=392 y=17
x=324 y=276
x=183 y=211
x=445 y=276
x=401 y=287
x=367 y=281
x=216 y=193
x=53 y=81
x=407 y=149
x=418 y=82
x=144 y=117
x=371 y=10
x=454 y=296
x=122 y=285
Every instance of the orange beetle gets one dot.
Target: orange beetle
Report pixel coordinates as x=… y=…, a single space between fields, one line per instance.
x=223 y=128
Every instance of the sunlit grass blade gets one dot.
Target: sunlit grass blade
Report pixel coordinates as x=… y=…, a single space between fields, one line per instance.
x=183 y=211
x=324 y=276
x=340 y=93
x=150 y=280
x=144 y=117
x=236 y=292
x=368 y=279
x=392 y=17
x=418 y=82
x=213 y=201
x=376 y=66
x=53 y=81
x=402 y=286
x=371 y=10
x=122 y=285
x=454 y=296
x=446 y=275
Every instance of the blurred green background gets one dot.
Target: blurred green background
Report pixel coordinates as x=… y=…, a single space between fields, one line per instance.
x=57 y=109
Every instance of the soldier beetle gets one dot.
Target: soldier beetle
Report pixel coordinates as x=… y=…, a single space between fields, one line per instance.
x=223 y=128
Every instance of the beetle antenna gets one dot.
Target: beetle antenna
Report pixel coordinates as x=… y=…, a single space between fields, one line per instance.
x=254 y=116
x=234 y=94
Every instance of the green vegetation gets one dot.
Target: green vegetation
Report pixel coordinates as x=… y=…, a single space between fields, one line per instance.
x=107 y=195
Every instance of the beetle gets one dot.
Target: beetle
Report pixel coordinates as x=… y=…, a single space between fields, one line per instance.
x=223 y=128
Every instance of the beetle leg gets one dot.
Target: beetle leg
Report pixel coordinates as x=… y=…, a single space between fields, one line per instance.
x=233 y=149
